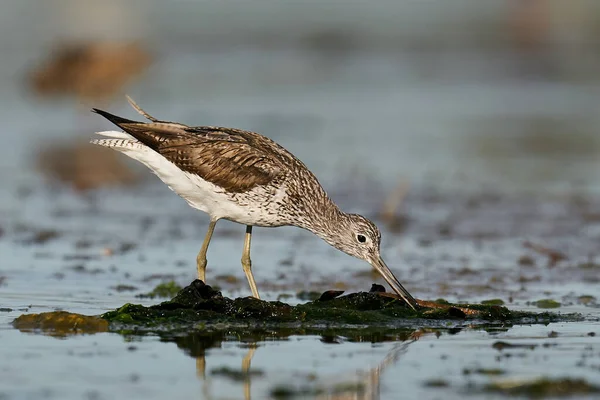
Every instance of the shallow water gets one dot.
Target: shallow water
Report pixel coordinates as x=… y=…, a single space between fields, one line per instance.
x=492 y=160
x=460 y=255
x=435 y=364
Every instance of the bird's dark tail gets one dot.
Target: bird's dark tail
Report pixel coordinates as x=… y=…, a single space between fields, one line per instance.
x=119 y=121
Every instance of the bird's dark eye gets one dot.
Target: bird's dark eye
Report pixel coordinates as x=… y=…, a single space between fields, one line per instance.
x=361 y=238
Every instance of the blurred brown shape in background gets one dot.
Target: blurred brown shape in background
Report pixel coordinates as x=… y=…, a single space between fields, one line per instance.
x=95 y=70
x=531 y=24
x=85 y=166
x=388 y=214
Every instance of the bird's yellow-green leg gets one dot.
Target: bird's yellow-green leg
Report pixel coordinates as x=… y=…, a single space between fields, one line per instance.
x=201 y=259
x=247 y=264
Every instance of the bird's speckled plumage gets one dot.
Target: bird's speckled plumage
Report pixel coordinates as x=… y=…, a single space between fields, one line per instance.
x=250 y=168
x=247 y=178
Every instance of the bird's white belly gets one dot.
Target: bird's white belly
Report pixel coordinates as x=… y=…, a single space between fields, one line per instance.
x=204 y=195
x=213 y=200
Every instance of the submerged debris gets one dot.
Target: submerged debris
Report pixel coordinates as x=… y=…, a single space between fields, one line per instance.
x=542 y=388
x=526 y=261
x=587 y=300
x=124 y=288
x=339 y=391
x=505 y=345
x=281 y=392
x=554 y=256
x=436 y=383
x=42 y=236
x=484 y=371
x=237 y=375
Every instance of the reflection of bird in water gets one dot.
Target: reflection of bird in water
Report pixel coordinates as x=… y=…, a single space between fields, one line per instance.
x=363 y=386
x=245 y=372
x=247 y=178
x=368 y=385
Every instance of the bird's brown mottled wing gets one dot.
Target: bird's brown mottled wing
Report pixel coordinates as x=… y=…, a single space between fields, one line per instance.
x=233 y=159
x=232 y=165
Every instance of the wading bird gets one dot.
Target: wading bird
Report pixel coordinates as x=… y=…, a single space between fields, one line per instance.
x=247 y=178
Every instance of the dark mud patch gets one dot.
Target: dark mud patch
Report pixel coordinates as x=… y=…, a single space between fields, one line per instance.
x=42 y=236
x=484 y=371
x=505 y=345
x=237 y=375
x=436 y=383
x=82 y=269
x=341 y=390
x=124 y=288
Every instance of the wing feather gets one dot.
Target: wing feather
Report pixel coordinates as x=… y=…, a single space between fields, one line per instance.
x=233 y=159
x=237 y=167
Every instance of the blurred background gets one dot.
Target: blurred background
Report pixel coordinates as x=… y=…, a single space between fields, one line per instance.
x=467 y=129
x=458 y=95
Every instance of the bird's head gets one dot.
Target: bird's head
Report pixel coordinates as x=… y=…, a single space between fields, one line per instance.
x=359 y=237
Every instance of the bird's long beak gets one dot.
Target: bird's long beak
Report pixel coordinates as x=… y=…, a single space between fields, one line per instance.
x=389 y=277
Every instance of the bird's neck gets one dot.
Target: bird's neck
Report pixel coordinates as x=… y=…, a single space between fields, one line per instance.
x=324 y=220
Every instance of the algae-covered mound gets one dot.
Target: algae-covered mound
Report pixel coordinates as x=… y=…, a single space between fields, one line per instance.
x=199 y=303
x=60 y=323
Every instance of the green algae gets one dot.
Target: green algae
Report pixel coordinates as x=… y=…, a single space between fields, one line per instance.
x=60 y=323
x=201 y=306
x=164 y=290
x=493 y=302
x=547 y=303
